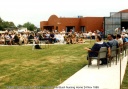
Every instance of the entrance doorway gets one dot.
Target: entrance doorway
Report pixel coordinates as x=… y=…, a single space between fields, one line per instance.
x=70 y=28
x=124 y=24
x=82 y=28
x=49 y=28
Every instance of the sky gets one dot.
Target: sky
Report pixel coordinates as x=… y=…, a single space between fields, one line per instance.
x=34 y=11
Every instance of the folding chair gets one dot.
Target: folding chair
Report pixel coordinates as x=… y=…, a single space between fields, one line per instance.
x=125 y=48
x=101 y=54
x=120 y=52
x=113 y=54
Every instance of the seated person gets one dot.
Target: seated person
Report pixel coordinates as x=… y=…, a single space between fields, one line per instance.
x=125 y=39
x=2 y=40
x=80 y=40
x=68 y=39
x=16 y=39
x=52 y=37
x=93 y=52
x=73 y=39
x=30 y=38
x=112 y=41
x=120 y=42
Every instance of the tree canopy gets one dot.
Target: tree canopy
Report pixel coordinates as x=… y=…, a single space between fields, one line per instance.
x=6 y=24
x=29 y=26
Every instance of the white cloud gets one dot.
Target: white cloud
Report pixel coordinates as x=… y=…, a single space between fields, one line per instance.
x=34 y=11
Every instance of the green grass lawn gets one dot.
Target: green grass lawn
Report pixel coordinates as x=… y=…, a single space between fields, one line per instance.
x=125 y=80
x=22 y=66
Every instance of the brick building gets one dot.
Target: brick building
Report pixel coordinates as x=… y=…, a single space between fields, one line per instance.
x=106 y=24
x=77 y=24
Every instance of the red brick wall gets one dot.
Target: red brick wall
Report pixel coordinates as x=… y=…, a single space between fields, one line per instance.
x=43 y=23
x=124 y=11
x=91 y=23
x=94 y=23
x=53 y=20
x=69 y=22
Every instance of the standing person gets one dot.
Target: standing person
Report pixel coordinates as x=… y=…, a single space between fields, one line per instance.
x=123 y=30
x=93 y=52
x=116 y=31
x=119 y=30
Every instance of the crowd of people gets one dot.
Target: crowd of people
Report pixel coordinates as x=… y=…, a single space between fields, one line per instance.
x=118 y=40
x=14 y=38
x=21 y=38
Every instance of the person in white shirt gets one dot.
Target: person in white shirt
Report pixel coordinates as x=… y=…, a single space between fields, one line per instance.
x=116 y=31
x=123 y=29
x=93 y=35
x=63 y=31
x=85 y=35
x=61 y=38
x=56 y=36
x=88 y=35
x=119 y=39
x=7 y=39
x=25 y=37
x=2 y=40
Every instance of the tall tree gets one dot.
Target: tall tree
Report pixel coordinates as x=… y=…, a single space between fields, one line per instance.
x=19 y=25
x=1 y=24
x=1 y=20
x=6 y=24
x=29 y=26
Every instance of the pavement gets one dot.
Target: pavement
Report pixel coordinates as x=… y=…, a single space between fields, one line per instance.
x=93 y=78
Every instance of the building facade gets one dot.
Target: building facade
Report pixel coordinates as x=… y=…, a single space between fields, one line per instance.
x=78 y=24
x=82 y=24
x=116 y=20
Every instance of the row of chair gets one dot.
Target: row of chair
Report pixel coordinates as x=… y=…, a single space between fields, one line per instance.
x=116 y=53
